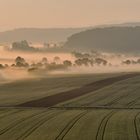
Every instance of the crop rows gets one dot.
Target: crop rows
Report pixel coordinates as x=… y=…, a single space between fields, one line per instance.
x=122 y=94
x=17 y=92
x=71 y=124
x=109 y=113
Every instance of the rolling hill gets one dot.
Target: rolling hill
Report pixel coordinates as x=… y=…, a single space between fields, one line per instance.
x=38 y=35
x=41 y=35
x=107 y=39
x=109 y=113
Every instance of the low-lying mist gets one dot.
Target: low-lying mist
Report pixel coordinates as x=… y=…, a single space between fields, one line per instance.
x=9 y=75
x=21 y=65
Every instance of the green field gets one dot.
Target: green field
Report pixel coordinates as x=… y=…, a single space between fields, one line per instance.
x=21 y=91
x=43 y=124
x=110 y=113
x=123 y=94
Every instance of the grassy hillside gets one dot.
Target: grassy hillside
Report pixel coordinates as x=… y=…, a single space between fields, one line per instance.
x=109 y=39
x=105 y=114
x=123 y=94
x=21 y=91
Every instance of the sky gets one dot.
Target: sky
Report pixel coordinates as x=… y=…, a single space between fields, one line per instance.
x=66 y=13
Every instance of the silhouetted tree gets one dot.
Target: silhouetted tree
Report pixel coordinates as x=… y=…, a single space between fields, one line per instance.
x=127 y=62
x=85 y=61
x=100 y=61
x=20 y=62
x=20 y=59
x=79 y=55
x=67 y=63
x=78 y=62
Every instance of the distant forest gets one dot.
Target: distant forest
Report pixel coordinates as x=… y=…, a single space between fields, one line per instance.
x=109 y=39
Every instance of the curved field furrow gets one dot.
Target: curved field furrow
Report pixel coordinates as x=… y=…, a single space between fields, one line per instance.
x=97 y=100
x=18 y=92
x=102 y=126
x=111 y=98
x=69 y=126
x=3 y=111
x=52 y=128
x=108 y=109
x=131 y=99
x=37 y=125
x=86 y=127
x=8 y=113
x=133 y=102
x=135 y=124
x=102 y=97
x=105 y=125
x=116 y=95
x=120 y=98
x=116 y=100
x=122 y=126
x=25 y=126
x=17 y=122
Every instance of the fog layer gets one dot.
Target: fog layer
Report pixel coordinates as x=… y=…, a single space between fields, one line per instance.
x=63 y=63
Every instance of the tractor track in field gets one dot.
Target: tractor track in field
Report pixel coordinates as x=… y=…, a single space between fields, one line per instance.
x=135 y=125
x=96 y=108
x=70 y=125
x=119 y=98
x=20 y=121
x=10 y=113
x=68 y=95
x=133 y=102
x=116 y=100
x=37 y=125
x=4 y=111
x=102 y=98
x=102 y=126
